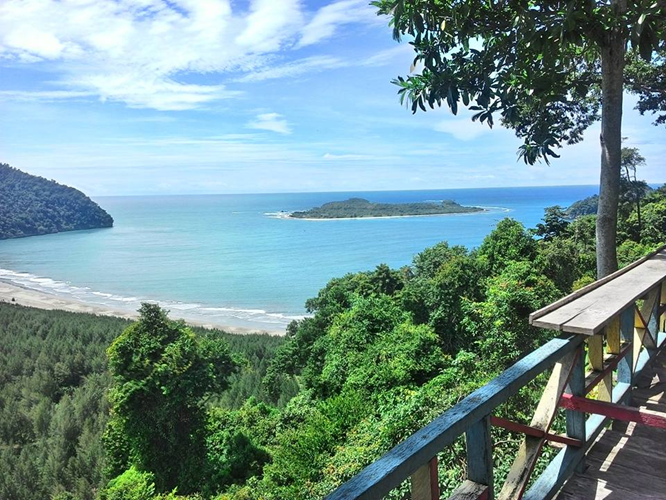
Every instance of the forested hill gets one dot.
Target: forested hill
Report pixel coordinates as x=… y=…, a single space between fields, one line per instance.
x=31 y=205
x=358 y=208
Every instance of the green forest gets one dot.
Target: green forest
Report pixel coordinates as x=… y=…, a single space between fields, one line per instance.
x=358 y=208
x=96 y=407
x=31 y=205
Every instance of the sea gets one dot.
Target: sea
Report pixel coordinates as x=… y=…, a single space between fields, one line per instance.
x=232 y=260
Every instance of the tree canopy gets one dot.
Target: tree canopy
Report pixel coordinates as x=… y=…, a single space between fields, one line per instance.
x=162 y=372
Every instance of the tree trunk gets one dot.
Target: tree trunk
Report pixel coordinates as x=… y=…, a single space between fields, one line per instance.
x=638 y=212
x=612 y=67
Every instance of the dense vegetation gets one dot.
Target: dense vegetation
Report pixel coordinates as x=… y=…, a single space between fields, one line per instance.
x=383 y=353
x=53 y=397
x=358 y=207
x=31 y=205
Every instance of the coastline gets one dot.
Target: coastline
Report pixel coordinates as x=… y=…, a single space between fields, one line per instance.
x=287 y=215
x=42 y=300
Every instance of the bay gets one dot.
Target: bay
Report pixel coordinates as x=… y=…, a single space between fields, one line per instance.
x=229 y=259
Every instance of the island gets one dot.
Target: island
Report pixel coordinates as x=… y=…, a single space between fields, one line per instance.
x=357 y=208
x=31 y=205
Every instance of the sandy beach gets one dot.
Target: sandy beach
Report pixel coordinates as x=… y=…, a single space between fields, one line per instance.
x=287 y=215
x=32 y=298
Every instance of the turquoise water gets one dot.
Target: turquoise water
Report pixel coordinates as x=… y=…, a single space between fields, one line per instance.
x=225 y=259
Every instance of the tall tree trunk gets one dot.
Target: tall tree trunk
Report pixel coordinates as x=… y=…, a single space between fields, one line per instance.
x=612 y=67
x=638 y=212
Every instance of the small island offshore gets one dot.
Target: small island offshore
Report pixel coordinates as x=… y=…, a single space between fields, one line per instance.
x=357 y=208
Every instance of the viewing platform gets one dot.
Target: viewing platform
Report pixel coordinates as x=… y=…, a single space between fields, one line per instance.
x=607 y=366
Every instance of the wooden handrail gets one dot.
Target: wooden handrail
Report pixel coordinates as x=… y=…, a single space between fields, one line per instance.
x=389 y=471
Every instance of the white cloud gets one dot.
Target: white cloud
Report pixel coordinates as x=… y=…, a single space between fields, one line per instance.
x=349 y=157
x=143 y=52
x=41 y=95
x=38 y=44
x=269 y=24
x=271 y=121
x=295 y=68
x=325 y=22
x=463 y=129
x=157 y=93
x=403 y=52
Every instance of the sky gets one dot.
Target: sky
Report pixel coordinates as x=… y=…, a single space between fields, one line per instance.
x=127 y=97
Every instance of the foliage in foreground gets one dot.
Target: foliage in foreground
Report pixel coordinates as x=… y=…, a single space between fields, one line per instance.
x=53 y=404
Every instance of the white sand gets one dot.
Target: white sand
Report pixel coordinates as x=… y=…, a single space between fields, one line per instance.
x=17 y=295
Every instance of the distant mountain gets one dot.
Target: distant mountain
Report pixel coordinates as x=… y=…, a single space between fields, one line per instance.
x=31 y=205
x=587 y=206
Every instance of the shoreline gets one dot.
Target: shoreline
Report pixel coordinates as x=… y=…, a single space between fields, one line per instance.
x=287 y=215
x=41 y=300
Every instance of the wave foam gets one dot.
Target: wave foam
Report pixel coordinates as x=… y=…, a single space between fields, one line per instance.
x=194 y=311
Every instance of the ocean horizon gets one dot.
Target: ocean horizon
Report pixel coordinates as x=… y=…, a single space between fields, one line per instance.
x=228 y=259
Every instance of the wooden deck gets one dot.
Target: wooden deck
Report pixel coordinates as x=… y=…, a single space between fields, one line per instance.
x=628 y=461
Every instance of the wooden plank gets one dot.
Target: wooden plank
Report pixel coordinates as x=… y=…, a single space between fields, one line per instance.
x=595 y=353
x=521 y=470
x=587 y=488
x=633 y=445
x=576 y=420
x=564 y=464
x=425 y=483
x=530 y=448
x=480 y=454
x=662 y=307
x=648 y=313
x=611 y=361
x=470 y=490
x=625 y=369
x=559 y=378
x=613 y=335
x=380 y=477
x=531 y=431
x=614 y=411
x=646 y=356
x=586 y=289
x=588 y=313
x=644 y=477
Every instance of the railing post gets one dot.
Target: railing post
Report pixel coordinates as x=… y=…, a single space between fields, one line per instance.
x=662 y=303
x=625 y=369
x=595 y=355
x=653 y=316
x=480 y=454
x=425 y=482
x=576 y=387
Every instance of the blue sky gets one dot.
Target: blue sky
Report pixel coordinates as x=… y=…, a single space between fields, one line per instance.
x=212 y=96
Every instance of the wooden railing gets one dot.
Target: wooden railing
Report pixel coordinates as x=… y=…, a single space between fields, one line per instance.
x=616 y=324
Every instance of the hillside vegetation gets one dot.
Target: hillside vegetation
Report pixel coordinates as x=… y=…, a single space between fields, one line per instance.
x=359 y=208
x=196 y=414
x=31 y=205
x=54 y=407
